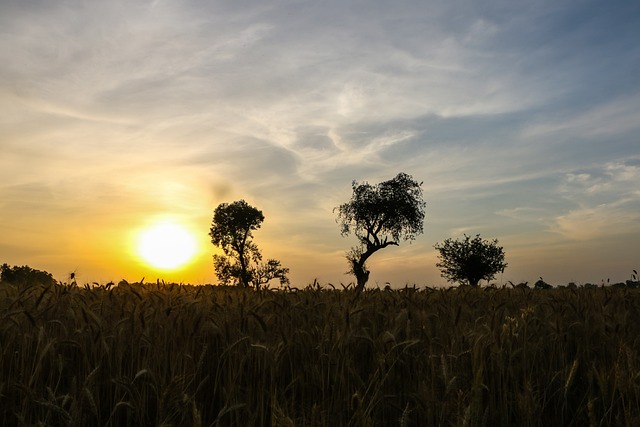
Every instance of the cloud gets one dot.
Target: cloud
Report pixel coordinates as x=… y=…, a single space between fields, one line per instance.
x=607 y=201
x=615 y=180
x=602 y=221
x=602 y=121
x=520 y=119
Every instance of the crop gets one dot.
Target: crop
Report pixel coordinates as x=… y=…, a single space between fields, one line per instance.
x=158 y=354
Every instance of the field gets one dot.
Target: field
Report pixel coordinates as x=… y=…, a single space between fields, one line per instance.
x=151 y=355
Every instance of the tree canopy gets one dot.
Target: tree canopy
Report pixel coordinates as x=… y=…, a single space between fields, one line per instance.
x=380 y=215
x=231 y=230
x=470 y=260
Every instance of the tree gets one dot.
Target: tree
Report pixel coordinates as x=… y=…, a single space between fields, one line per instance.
x=380 y=215
x=25 y=276
x=231 y=230
x=470 y=260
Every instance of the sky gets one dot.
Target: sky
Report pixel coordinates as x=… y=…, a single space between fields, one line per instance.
x=521 y=119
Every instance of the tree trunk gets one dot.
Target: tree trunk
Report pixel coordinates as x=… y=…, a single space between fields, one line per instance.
x=359 y=269
x=361 y=273
x=244 y=276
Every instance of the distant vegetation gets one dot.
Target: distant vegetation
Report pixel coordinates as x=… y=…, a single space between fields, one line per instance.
x=150 y=355
x=25 y=276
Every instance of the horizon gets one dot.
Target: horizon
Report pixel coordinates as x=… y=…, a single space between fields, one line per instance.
x=521 y=122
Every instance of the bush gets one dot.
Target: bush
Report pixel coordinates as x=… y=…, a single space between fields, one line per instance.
x=25 y=276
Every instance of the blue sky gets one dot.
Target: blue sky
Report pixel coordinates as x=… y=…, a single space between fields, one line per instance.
x=520 y=118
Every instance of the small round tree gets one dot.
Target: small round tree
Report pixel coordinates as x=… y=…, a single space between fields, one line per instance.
x=470 y=260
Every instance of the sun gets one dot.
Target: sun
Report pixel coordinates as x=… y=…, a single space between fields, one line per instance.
x=166 y=245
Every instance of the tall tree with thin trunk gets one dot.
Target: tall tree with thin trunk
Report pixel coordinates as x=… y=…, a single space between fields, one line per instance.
x=231 y=230
x=380 y=215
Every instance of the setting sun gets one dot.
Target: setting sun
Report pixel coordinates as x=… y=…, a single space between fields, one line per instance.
x=166 y=245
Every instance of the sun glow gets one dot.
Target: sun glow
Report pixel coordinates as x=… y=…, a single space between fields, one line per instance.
x=166 y=245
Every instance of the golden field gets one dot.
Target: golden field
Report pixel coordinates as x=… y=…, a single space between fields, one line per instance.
x=171 y=355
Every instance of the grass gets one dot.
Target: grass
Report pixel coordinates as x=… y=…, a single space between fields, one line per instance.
x=152 y=355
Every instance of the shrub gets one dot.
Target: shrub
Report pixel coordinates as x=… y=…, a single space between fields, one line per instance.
x=25 y=276
x=470 y=260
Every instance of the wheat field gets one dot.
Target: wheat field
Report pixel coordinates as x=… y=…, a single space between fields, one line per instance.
x=172 y=355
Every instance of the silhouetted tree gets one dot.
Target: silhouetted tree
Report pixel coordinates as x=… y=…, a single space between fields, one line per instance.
x=25 y=276
x=265 y=272
x=541 y=284
x=470 y=260
x=380 y=215
x=231 y=230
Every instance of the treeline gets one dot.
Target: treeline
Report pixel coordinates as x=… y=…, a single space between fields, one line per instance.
x=379 y=215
